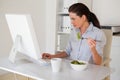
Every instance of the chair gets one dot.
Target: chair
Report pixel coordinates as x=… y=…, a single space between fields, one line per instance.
x=107 y=49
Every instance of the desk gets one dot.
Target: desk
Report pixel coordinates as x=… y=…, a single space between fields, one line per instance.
x=35 y=71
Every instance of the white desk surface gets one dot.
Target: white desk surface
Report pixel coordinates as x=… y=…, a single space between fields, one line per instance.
x=38 y=72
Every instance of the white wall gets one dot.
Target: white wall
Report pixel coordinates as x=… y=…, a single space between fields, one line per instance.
x=51 y=12
x=36 y=8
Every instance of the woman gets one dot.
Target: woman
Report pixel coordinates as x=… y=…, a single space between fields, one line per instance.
x=86 y=40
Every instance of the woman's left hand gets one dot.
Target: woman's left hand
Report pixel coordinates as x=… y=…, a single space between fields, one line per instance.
x=92 y=44
x=96 y=57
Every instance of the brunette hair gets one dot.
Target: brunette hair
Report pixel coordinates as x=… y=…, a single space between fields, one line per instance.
x=81 y=9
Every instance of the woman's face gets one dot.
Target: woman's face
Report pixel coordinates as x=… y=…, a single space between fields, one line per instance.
x=76 y=20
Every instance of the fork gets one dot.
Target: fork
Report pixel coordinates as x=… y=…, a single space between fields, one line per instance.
x=88 y=38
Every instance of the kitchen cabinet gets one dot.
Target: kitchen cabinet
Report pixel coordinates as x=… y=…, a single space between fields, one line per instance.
x=115 y=53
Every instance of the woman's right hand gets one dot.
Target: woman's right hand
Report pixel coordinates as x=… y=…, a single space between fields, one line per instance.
x=46 y=56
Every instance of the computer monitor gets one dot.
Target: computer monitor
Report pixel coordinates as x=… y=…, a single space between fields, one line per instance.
x=23 y=36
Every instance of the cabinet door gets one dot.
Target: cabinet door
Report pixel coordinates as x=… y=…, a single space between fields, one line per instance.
x=11 y=76
x=7 y=76
x=20 y=77
x=115 y=56
x=30 y=79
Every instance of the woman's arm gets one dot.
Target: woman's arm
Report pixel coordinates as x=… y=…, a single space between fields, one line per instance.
x=96 y=57
x=57 y=55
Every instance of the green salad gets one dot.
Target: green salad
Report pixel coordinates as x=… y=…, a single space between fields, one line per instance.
x=77 y=62
x=78 y=35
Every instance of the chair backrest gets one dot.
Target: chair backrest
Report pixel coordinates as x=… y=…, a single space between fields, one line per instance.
x=107 y=48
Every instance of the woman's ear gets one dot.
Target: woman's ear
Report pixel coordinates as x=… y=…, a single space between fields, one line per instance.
x=84 y=18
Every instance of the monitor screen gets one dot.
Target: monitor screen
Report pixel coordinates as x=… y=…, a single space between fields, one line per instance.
x=23 y=35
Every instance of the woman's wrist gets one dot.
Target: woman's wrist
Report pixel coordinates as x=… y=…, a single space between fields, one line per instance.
x=52 y=56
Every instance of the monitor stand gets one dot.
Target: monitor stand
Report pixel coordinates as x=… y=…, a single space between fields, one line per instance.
x=15 y=48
